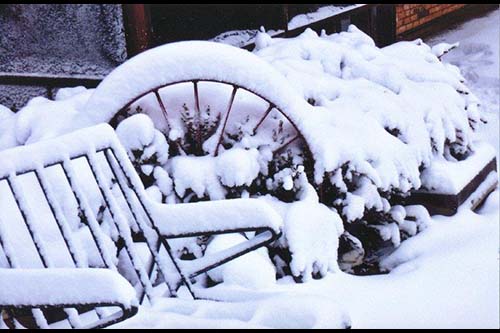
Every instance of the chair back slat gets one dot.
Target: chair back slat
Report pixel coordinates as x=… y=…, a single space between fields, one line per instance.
x=171 y=273
x=28 y=219
x=88 y=214
x=120 y=223
x=60 y=219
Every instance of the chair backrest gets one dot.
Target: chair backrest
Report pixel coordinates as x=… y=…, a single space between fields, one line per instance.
x=58 y=197
x=51 y=195
x=77 y=201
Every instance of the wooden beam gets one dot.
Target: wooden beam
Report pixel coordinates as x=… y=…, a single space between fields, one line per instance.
x=447 y=204
x=137 y=28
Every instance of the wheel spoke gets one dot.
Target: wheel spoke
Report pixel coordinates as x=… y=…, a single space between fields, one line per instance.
x=286 y=144
x=162 y=106
x=198 y=119
x=229 y=108
x=271 y=106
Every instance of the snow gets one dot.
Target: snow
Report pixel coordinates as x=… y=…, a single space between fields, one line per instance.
x=136 y=132
x=311 y=233
x=240 y=38
x=253 y=271
x=160 y=66
x=319 y=14
x=42 y=118
x=445 y=277
x=238 y=167
x=207 y=175
x=197 y=174
x=478 y=57
x=448 y=177
x=64 y=286
x=272 y=311
x=214 y=216
x=334 y=72
x=7 y=134
x=312 y=254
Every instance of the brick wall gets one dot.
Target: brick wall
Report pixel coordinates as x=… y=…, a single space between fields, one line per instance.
x=411 y=16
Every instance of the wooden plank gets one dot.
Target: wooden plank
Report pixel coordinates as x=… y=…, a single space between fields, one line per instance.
x=330 y=24
x=447 y=204
x=49 y=80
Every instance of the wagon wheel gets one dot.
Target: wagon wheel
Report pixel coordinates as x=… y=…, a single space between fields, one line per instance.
x=208 y=98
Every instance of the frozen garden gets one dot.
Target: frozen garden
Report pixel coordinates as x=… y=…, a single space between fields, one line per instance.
x=204 y=186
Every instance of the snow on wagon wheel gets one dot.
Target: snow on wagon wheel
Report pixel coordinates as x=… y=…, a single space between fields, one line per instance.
x=211 y=99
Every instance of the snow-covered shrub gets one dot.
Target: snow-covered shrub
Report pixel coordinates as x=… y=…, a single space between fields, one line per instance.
x=309 y=245
x=392 y=111
x=147 y=148
x=308 y=248
x=43 y=118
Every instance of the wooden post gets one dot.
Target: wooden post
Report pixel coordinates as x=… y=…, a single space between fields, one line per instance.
x=137 y=28
x=385 y=24
x=285 y=19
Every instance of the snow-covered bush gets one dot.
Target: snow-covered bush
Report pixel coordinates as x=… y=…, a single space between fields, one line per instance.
x=309 y=244
x=391 y=111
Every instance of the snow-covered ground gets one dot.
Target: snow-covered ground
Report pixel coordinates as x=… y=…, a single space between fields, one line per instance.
x=478 y=57
x=445 y=277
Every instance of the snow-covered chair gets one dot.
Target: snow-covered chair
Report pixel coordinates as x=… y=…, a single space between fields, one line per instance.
x=62 y=292
x=76 y=201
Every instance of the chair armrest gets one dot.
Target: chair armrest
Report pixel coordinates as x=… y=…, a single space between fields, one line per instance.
x=208 y=217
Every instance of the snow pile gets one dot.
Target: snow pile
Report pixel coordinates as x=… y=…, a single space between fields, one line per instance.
x=42 y=118
x=207 y=176
x=295 y=311
x=253 y=271
x=309 y=245
x=404 y=87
